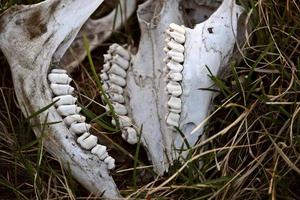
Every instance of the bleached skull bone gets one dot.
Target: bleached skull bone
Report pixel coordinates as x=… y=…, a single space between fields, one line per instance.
x=166 y=80
x=41 y=33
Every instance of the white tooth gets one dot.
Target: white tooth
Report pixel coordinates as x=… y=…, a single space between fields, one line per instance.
x=79 y=128
x=120 y=61
x=66 y=110
x=123 y=52
x=173 y=119
x=177 y=37
x=166 y=59
x=103 y=156
x=106 y=67
x=116 y=69
x=99 y=150
x=174 y=66
x=166 y=49
x=174 y=103
x=113 y=47
x=120 y=109
x=105 y=86
x=103 y=76
x=176 y=56
x=118 y=80
x=59 y=78
x=64 y=100
x=176 y=46
x=58 y=89
x=110 y=162
x=107 y=57
x=177 y=28
x=175 y=110
x=74 y=118
x=175 y=76
x=168 y=39
x=117 y=98
x=87 y=141
x=130 y=135
x=123 y=120
x=59 y=71
x=116 y=89
x=174 y=88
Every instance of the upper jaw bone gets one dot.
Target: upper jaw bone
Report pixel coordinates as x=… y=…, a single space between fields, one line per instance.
x=41 y=34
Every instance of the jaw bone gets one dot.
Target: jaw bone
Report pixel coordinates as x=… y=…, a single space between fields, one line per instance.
x=98 y=30
x=32 y=38
x=157 y=94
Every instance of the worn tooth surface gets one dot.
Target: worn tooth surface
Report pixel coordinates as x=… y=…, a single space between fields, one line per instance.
x=116 y=69
x=131 y=136
x=110 y=162
x=116 y=89
x=118 y=80
x=176 y=56
x=175 y=76
x=166 y=49
x=175 y=46
x=123 y=52
x=123 y=120
x=74 y=118
x=120 y=109
x=173 y=119
x=117 y=59
x=79 y=128
x=59 y=71
x=174 y=66
x=103 y=156
x=175 y=103
x=103 y=76
x=178 y=111
x=174 y=88
x=117 y=98
x=107 y=57
x=58 y=89
x=64 y=100
x=66 y=110
x=59 y=78
x=87 y=141
x=106 y=67
x=99 y=150
x=166 y=59
x=105 y=86
x=177 y=37
x=177 y=28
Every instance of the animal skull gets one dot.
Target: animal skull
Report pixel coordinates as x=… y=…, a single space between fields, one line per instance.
x=154 y=95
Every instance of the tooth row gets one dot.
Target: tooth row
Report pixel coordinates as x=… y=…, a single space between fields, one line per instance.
x=66 y=107
x=175 y=39
x=113 y=77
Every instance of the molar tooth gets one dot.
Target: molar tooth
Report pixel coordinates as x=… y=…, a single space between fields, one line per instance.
x=99 y=150
x=120 y=61
x=103 y=76
x=123 y=120
x=59 y=71
x=116 y=89
x=112 y=48
x=176 y=56
x=87 y=141
x=177 y=37
x=106 y=67
x=173 y=119
x=174 y=88
x=107 y=57
x=59 y=78
x=176 y=46
x=110 y=162
x=120 y=109
x=115 y=69
x=175 y=76
x=178 y=111
x=175 y=103
x=177 y=28
x=105 y=86
x=79 y=128
x=58 y=89
x=123 y=52
x=66 y=110
x=103 y=156
x=118 y=80
x=174 y=66
x=64 y=100
x=166 y=59
x=117 y=98
x=74 y=118
x=166 y=49
x=130 y=135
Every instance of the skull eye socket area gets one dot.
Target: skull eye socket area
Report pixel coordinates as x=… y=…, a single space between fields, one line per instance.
x=197 y=11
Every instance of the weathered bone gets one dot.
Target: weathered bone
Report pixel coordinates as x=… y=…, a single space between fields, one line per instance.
x=98 y=30
x=32 y=37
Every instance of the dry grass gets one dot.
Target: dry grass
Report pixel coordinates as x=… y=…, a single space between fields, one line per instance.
x=253 y=142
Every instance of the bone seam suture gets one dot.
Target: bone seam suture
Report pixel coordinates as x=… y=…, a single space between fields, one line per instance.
x=66 y=107
x=175 y=38
x=113 y=77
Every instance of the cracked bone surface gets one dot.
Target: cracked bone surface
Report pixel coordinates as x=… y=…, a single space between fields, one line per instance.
x=32 y=37
x=165 y=86
x=97 y=30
